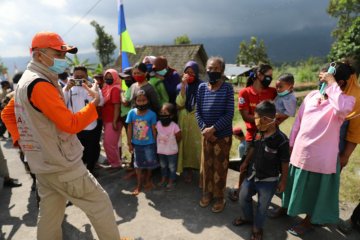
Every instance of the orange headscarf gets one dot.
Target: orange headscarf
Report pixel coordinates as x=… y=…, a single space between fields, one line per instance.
x=106 y=90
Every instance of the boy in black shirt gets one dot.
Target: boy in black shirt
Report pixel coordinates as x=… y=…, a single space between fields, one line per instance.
x=268 y=153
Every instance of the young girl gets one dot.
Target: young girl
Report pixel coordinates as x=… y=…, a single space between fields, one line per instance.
x=141 y=136
x=169 y=135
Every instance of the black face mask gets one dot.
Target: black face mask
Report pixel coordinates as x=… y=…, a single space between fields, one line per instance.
x=142 y=107
x=214 y=77
x=266 y=81
x=109 y=81
x=165 y=120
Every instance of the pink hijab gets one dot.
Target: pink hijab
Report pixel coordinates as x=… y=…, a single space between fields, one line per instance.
x=106 y=90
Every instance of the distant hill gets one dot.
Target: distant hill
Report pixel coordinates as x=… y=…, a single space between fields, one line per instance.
x=287 y=47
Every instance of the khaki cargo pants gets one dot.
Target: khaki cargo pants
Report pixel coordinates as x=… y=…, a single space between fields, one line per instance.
x=83 y=190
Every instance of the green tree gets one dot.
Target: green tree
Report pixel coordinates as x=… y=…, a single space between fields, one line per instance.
x=346 y=11
x=75 y=61
x=348 y=45
x=252 y=53
x=184 y=39
x=99 y=69
x=104 y=44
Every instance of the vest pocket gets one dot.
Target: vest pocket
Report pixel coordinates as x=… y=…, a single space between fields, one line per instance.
x=70 y=149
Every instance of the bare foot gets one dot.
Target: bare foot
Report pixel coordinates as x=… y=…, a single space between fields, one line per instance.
x=188 y=177
x=129 y=175
x=136 y=191
x=149 y=186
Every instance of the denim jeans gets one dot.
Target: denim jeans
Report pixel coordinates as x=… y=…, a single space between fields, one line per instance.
x=168 y=165
x=265 y=191
x=241 y=149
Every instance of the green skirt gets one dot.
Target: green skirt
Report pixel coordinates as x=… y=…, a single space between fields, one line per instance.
x=315 y=194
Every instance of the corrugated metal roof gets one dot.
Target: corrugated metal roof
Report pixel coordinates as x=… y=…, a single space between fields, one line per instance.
x=232 y=70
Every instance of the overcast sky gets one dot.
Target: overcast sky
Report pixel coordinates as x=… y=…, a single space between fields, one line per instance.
x=156 y=21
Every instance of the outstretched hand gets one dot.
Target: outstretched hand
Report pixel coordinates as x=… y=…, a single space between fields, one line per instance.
x=93 y=92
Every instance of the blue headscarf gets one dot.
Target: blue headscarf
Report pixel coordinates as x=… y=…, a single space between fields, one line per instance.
x=191 y=89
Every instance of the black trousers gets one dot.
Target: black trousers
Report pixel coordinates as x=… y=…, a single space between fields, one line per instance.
x=355 y=217
x=90 y=139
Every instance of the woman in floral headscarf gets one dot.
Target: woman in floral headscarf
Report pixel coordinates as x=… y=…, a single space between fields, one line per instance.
x=111 y=117
x=191 y=134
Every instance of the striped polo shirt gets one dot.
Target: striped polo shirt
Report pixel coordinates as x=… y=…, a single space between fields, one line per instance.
x=215 y=108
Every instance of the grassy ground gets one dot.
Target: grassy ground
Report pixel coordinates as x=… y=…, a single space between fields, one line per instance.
x=350 y=176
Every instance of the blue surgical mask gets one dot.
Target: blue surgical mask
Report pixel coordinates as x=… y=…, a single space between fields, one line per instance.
x=59 y=65
x=284 y=93
x=162 y=72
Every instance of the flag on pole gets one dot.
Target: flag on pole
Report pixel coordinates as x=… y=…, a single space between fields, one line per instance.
x=127 y=45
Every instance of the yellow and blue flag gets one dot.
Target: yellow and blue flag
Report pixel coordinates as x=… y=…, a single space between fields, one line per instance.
x=127 y=45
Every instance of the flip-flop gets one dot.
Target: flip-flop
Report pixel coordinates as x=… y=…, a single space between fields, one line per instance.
x=239 y=222
x=277 y=213
x=162 y=184
x=299 y=230
x=234 y=194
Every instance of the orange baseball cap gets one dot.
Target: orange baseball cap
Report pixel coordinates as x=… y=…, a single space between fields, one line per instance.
x=51 y=40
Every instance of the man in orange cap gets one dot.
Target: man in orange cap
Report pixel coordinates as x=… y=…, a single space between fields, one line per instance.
x=45 y=129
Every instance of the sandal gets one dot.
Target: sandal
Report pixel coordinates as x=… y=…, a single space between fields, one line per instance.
x=205 y=201
x=300 y=230
x=170 y=187
x=345 y=226
x=256 y=235
x=218 y=206
x=162 y=184
x=239 y=222
x=234 y=194
x=277 y=213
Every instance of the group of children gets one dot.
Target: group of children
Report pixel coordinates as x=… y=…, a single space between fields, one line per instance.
x=148 y=138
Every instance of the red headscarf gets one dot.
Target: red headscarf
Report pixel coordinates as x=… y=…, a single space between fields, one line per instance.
x=106 y=90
